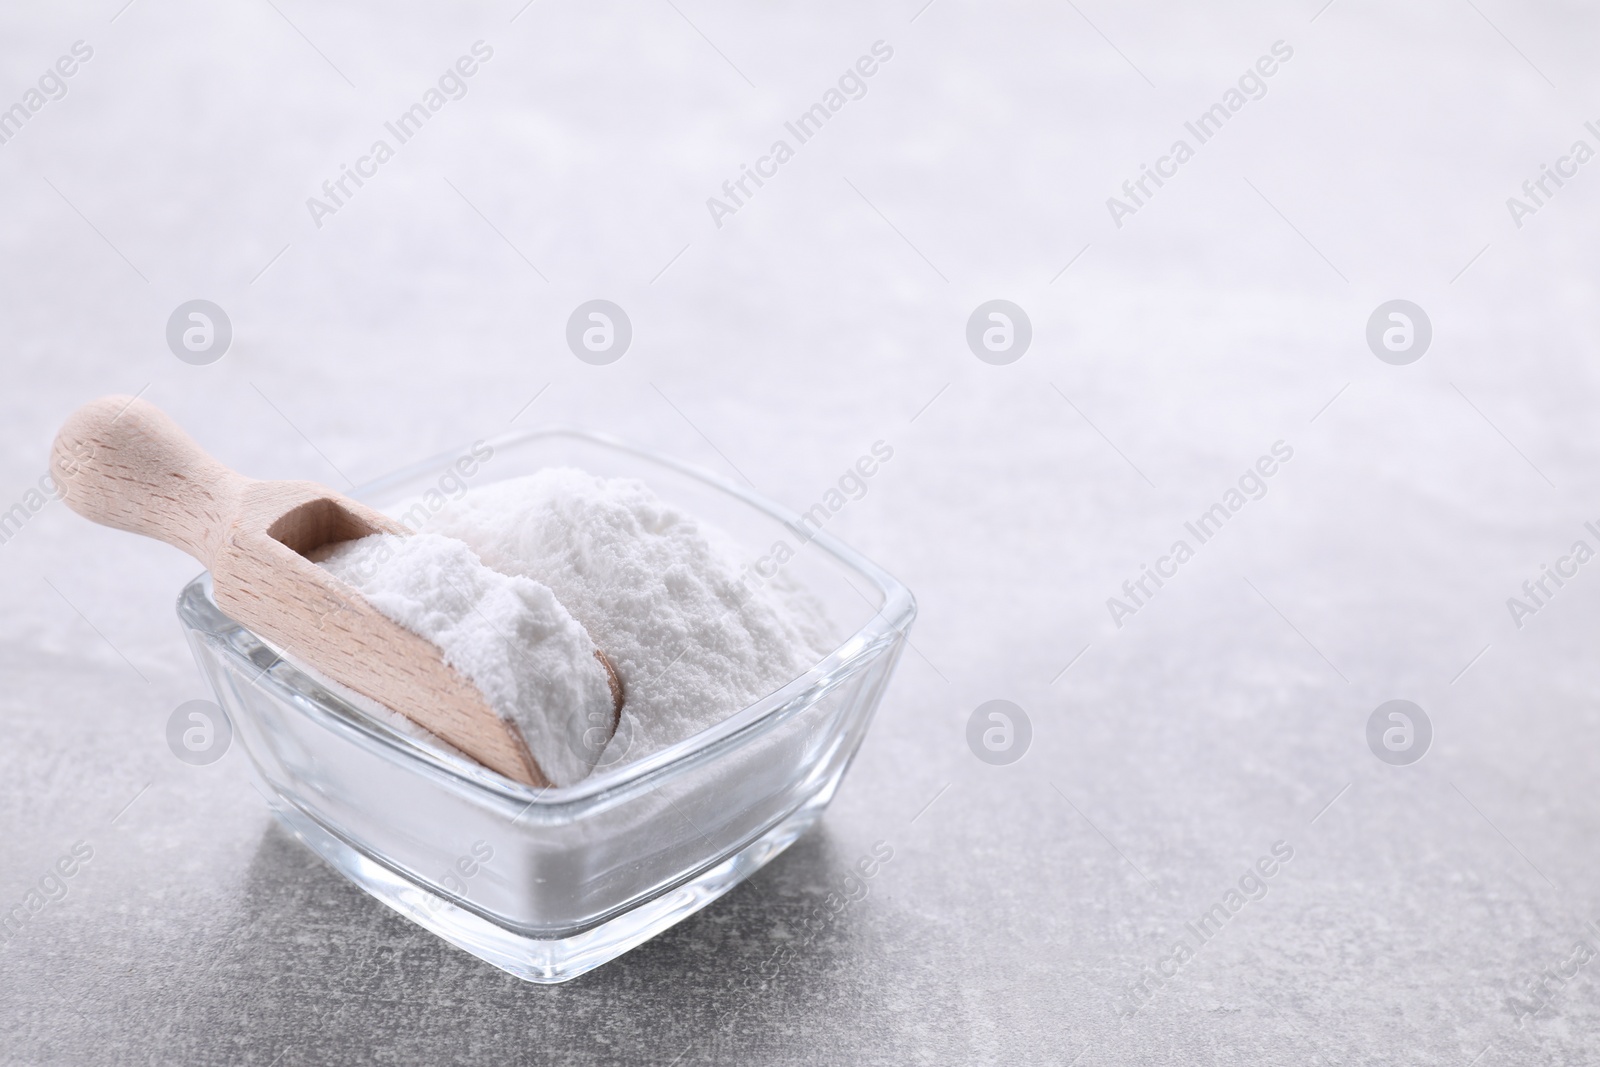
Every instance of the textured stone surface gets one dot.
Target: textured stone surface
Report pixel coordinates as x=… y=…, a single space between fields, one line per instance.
x=1228 y=313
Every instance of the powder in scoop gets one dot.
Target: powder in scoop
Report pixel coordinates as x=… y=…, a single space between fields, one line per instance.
x=508 y=634
x=657 y=589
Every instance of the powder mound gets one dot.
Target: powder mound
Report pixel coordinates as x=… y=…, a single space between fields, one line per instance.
x=508 y=634
x=657 y=589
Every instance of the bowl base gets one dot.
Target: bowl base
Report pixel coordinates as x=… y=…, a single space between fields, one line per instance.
x=532 y=959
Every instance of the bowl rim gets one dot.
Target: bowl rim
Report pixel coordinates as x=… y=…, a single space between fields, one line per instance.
x=301 y=689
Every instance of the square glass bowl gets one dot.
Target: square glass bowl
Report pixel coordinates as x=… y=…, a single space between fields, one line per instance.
x=547 y=884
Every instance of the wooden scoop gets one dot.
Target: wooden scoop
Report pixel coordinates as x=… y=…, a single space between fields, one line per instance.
x=122 y=462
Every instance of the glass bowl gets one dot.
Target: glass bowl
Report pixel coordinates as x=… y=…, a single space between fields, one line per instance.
x=547 y=884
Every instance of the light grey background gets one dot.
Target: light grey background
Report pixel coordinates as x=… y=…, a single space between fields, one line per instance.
x=1229 y=313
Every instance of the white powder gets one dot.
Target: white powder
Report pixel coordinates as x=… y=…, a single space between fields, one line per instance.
x=655 y=588
x=508 y=635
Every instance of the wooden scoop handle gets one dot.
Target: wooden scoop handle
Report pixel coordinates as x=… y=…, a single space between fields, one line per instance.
x=122 y=462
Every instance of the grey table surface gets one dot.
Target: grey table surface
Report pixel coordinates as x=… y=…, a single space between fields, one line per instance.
x=1441 y=912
